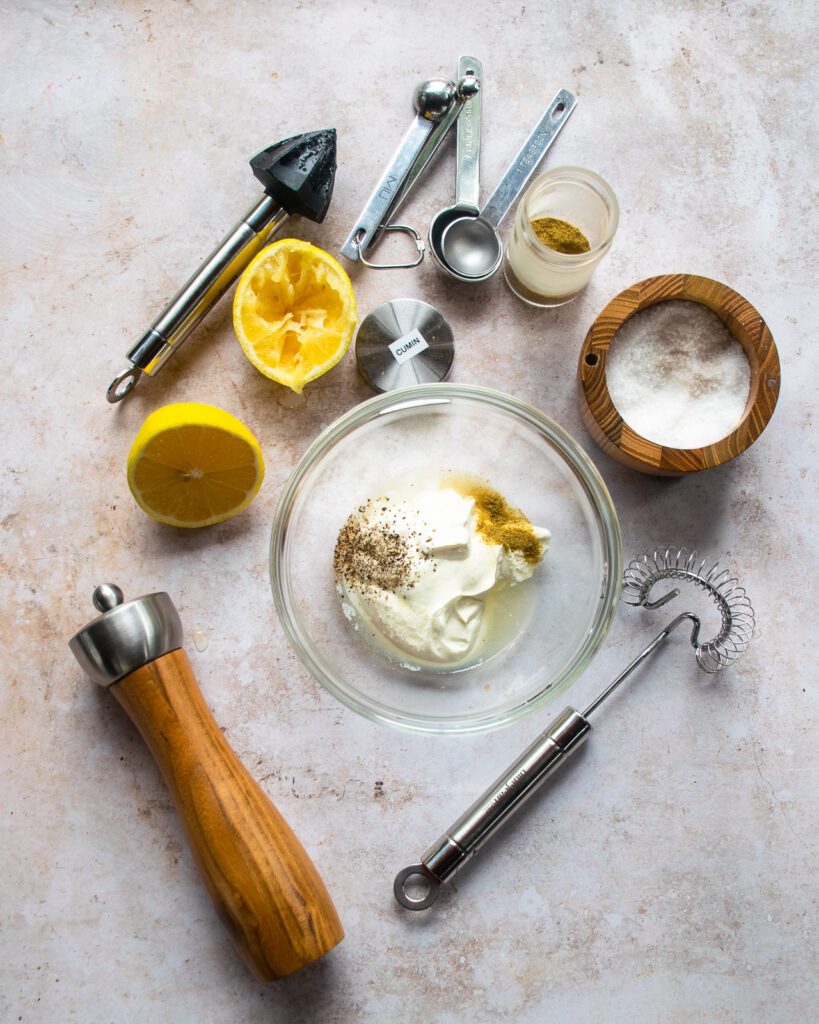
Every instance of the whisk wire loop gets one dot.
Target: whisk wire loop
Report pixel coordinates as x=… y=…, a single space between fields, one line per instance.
x=733 y=603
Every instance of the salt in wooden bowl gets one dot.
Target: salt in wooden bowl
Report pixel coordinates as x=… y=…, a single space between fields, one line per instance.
x=616 y=437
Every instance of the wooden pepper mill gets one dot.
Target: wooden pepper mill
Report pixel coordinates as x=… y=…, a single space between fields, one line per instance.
x=262 y=882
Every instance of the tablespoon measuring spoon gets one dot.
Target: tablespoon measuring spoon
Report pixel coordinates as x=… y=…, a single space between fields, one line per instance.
x=471 y=246
x=467 y=166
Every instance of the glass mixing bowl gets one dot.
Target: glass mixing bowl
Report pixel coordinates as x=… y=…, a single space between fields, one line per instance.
x=523 y=454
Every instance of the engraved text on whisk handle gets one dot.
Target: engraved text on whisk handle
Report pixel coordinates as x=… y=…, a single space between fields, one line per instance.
x=507 y=788
x=507 y=793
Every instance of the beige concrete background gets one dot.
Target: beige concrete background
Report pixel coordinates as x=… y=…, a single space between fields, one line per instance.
x=672 y=876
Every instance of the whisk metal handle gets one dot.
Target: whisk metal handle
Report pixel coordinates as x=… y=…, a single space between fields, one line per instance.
x=570 y=728
x=507 y=794
x=549 y=751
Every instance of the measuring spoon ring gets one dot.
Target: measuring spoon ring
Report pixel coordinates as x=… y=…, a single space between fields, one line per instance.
x=471 y=246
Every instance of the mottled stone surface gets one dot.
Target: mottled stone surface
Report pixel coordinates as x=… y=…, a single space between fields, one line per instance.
x=672 y=876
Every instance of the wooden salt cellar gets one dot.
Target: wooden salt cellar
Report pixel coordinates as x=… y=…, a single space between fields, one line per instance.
x=604 y=422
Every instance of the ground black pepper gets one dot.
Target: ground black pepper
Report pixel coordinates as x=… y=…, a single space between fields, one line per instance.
x=371 y=555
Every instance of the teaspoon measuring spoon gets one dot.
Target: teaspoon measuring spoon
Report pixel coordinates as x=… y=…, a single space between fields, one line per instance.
x=437 y=104
x=471 y=246
x=467 y=166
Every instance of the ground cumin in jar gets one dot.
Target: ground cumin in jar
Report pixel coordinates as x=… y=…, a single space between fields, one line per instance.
x=563 y=227
x=560 y=235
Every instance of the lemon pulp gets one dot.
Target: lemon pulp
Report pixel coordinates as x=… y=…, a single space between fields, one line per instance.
x=294 y=312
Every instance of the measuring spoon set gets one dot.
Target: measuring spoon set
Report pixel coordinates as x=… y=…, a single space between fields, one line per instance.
x=463 y=238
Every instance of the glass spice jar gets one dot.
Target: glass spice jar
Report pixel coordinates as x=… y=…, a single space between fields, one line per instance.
x=541 y=275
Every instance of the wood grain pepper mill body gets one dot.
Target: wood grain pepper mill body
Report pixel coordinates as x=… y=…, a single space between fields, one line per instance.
x=264 y=886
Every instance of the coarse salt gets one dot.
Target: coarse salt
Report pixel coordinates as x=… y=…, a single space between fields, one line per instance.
x=677 y=375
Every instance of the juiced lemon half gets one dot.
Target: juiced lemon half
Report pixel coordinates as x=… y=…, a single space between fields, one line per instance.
x=194 y=465
x=294 y=312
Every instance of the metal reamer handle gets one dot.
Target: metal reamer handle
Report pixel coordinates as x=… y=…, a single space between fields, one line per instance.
x=448 y=854
x=199 y=293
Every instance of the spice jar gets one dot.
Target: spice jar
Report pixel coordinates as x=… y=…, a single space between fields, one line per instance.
x=571 y=209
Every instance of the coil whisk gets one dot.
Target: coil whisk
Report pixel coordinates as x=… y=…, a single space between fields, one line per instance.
x=733 y=603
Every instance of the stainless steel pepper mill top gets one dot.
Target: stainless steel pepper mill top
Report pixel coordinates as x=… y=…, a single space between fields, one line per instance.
x=297 y=175
x=127 y=635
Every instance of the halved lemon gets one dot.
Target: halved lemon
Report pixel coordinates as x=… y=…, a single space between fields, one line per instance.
x=194 y=465
x=294 y=312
